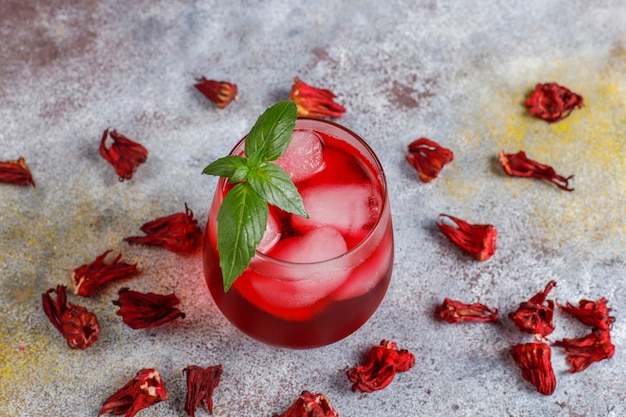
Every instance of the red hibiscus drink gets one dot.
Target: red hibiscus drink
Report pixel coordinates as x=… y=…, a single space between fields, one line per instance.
x=313 y=281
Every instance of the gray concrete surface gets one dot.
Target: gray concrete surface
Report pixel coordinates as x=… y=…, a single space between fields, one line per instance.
x=456 y=72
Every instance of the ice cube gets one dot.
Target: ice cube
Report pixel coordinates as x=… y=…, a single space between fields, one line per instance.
x=350 y=208
x=272 y=233
x=304 y=155
x=307 y=285
x=314 y=246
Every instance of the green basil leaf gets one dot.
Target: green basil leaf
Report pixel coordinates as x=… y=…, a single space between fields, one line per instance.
x=273 y=184
x=241 y=223
x=225 y=166
x=272 y=132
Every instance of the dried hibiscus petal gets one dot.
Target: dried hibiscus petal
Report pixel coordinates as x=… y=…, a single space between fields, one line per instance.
x=479 y=240
x=310 y=405
x=583 y=351
x=86 y=279
x=313 y=101
x=177 y=232
x=144 y=390
x=518 y=165
x=201 y=382
x=534 y=361
x=78 y=325
x=535 y=315
x=384 y=361
x=457 y=312
x=552 y=102
x=590 y=313
x=142 y=311
x=16 y=172
x=124 y=154
x=219 y=92
x=428 y=158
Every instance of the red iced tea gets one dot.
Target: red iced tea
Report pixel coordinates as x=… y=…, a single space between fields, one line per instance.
x=313 y=281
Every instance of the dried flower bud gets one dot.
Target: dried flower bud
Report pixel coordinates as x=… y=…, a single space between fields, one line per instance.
x=518 y=165
x=384 y=361
x=314 y=102
x=583 y=351
x=590 y=313
x=428 y=158
x=124 y=154
x=310 y=405
x=552 y=102
x=219 y=92
x=533 y=316
x=142 y=391
x=86 y=279
x=456 y=312
x=201 y=382
x=479 y=240
x=142 y=311
x=177 y=232
x=78 y=326
x=16 y=172
x=534 y=361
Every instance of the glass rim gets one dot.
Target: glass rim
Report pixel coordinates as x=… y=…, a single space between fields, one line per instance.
x=384 y=194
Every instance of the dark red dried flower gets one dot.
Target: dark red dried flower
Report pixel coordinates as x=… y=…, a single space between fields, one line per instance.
x=533 y=316
x=590 y=313
x=177 y=232
x=534 y=361
x=124 y=154
x=201 y=382
x=86 y=279
x=313 y=101
x=456 y=312
x=384 y=361
x=428 y=158
x=16 y=172
x=583 y=351
x=479 y=240
x=552 y=102
x=219 y=92
x=144 y=390
x=518 y=165
x=310 y=405
x=78 y=325
x=142 y=311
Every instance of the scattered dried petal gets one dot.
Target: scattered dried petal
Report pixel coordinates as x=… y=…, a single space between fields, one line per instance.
x=124 y=154
x=142 y=311
x=177 y=233
x=310 y=405
x=142 y=391
x=583 y=351
x=456 y=312
x=313 y=101
x=590 y=313
x=16 y=172
x=518 y=165
x=78 y=325
x=552 y=102
x=201 y=382
x=219 y=92
x=86 y=279
x=428 y=158
x=384 y=361
x=535 y=317
x=477 y=239
x=534 y=361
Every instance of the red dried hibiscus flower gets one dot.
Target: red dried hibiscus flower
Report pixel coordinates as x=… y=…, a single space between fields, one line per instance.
x=144 y=390
x=428 y=158
x=384 y=361
x=313 y=101
x=535 y=315
x=533 y=359
x=124 y=154
x=454 y=311
x=552 y=102
x=479 y=240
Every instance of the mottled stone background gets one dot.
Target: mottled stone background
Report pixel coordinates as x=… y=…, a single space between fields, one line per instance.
x=456 y=72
